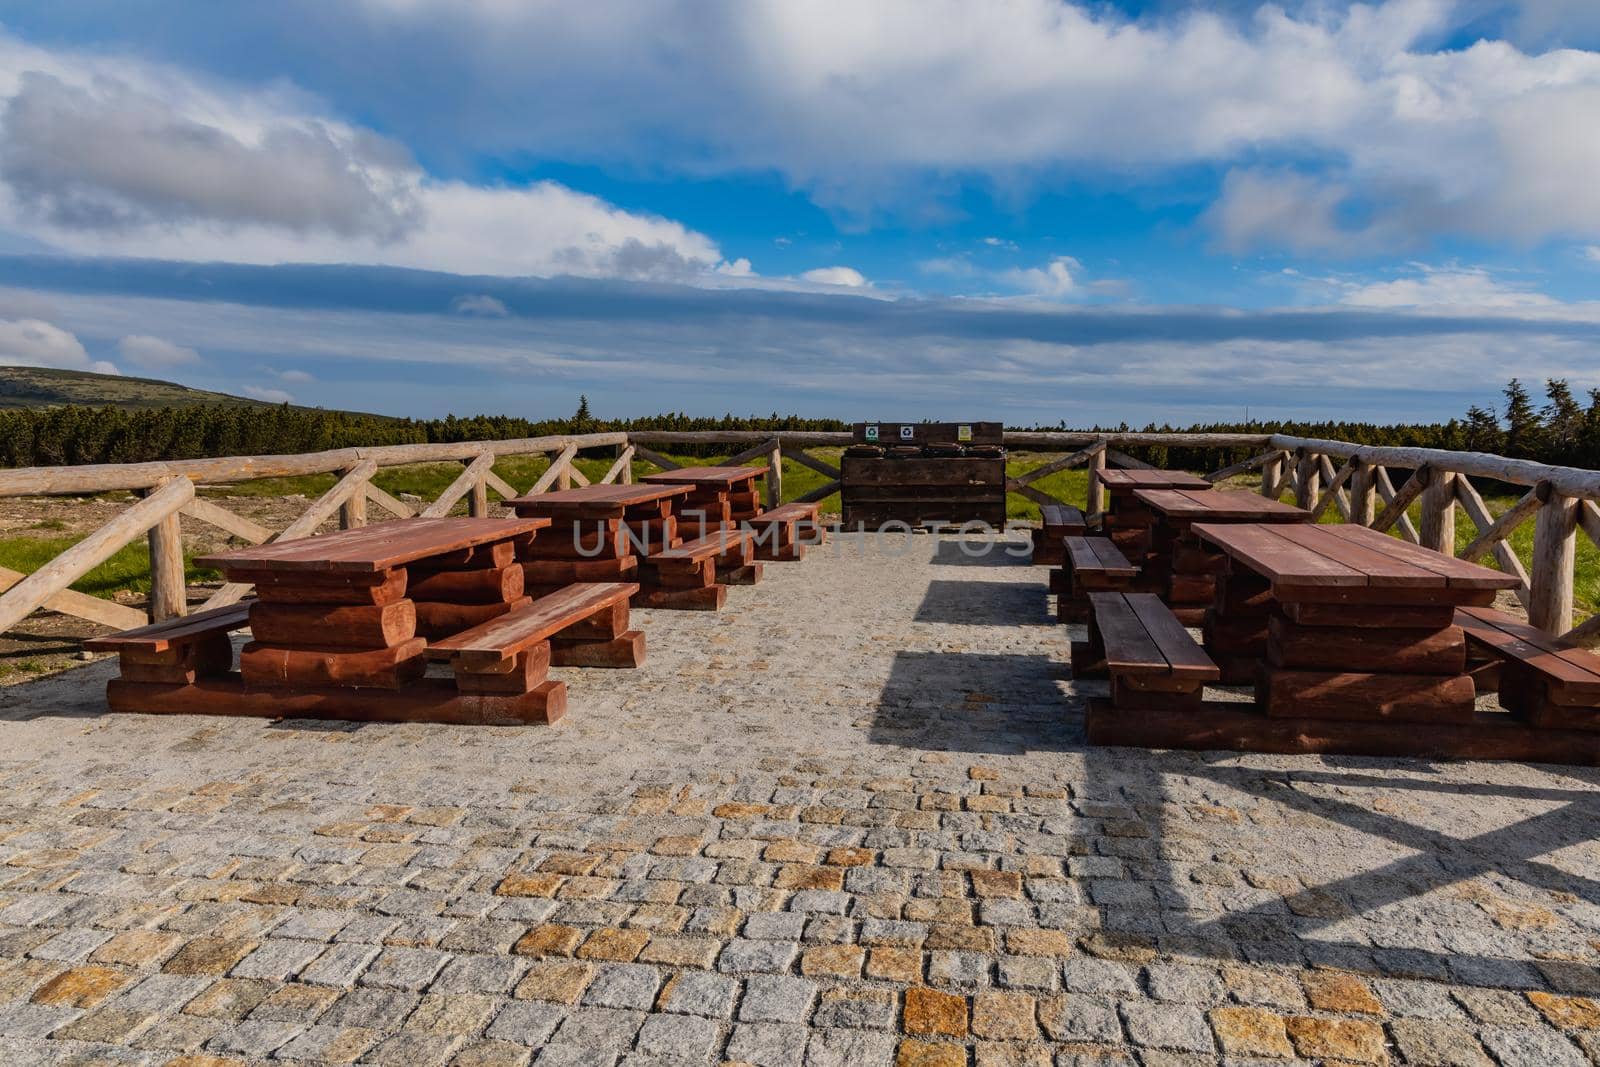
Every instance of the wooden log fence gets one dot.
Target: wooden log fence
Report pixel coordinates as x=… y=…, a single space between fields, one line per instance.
x=1358 y=481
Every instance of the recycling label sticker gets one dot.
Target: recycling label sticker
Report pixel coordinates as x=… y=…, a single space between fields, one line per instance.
x=907 y=433
x=872 y=433
x=963 y=433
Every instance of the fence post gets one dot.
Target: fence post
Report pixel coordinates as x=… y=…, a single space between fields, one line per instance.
x=353 y=512
x=168 y=589
x=1555 y=542
x=775 y=475
x=1363 y=480
x=1308 y=486
x=625 y=475
x=1271 y=475
x=1439 y=512
x=1095 y=501
x=478 y=499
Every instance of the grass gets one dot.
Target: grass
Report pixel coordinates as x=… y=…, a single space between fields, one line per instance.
x=128 y=569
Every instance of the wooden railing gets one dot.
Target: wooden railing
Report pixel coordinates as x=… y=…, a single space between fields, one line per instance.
x=1357 y=481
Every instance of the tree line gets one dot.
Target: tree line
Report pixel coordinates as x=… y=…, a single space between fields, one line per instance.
x=1561 y=430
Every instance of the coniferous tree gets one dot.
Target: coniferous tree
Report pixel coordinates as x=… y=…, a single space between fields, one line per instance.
x=1523 y=425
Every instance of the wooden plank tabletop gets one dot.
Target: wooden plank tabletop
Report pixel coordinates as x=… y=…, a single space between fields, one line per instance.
x=1296 y=555
x=593 y=501
x=1123 y=480
x=1219 y=505
x=367 y=549
x=715 y=477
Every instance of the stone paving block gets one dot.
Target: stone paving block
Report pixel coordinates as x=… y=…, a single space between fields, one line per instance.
x=372 y=1009
x=833 y=1048
x=631 y=986
x=1166 y=1026
x=692 y=993
x=404 y=968
x=525 y=1023
x=1077 y=1018
x=766 y=1045
x=294 y=1003
x=415 y=1050
x=771 y=998
x=480 y=974
x=329 y=1044
x=1431 y=1042
x=1522 y=1045
x=600 y=1028
x=492 y=1054
x=254 y=1040
x=679 y=1038
x=746 y=956
x=1356 y=1040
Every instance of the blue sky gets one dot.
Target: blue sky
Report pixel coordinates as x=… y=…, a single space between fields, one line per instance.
x=1036 y=210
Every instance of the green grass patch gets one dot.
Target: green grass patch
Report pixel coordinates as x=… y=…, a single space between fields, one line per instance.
x=128 y=569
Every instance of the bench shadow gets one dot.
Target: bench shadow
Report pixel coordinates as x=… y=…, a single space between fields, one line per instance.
x=977 y=552
x=977 y=702
x=982 y=603
x=1323 y=922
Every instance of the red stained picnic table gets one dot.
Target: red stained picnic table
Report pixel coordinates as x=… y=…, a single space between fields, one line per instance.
x=340 y=626
x=599 y=534
x=1181 y=569
x=379 y=587
x=1126 y=521
x=718 y=496
x=1345 y=622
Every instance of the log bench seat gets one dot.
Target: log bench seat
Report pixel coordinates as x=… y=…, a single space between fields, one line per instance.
x=1059 y=521
x=1544 y=680
x=783 y=533
x=697 y=573
x=1151 y=659
x=179 y=650
x=1093 y=565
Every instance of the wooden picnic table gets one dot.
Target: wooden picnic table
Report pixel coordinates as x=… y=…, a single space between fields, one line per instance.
x=395 y=581
x=1130 y=523
x=340 y=629
x=718 y=496
x=1362 y=654
x=1181 y=569
x=1354 y=624
x=600 y=532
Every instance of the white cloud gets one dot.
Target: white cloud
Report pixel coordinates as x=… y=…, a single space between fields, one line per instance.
x=855 y=102
x=36 y=343
x=479 y=304
x=846 y=277
x=153 y=353
x=109 y=157
x=1592 y=253
x=271 y=396
x=1448 y=287
x=299 y=377
x=1055 y=280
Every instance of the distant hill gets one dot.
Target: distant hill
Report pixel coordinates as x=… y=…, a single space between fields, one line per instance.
x=37 y=387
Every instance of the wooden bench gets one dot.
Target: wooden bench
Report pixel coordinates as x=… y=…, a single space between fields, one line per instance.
x=177 y=651
x=1060 y=521
x=1548 y=682
x=783 y=533
x=697 y=573
x=1153 y=662
x=1093 y=565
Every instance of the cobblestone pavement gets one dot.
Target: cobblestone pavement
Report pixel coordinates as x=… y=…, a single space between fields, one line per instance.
x=849 y=820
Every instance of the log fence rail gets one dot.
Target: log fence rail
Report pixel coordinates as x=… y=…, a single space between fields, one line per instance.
x=1561 y=502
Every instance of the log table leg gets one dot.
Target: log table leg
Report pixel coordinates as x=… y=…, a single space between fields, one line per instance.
x=1356 y=664
x=466 y=589
x=322 y=629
